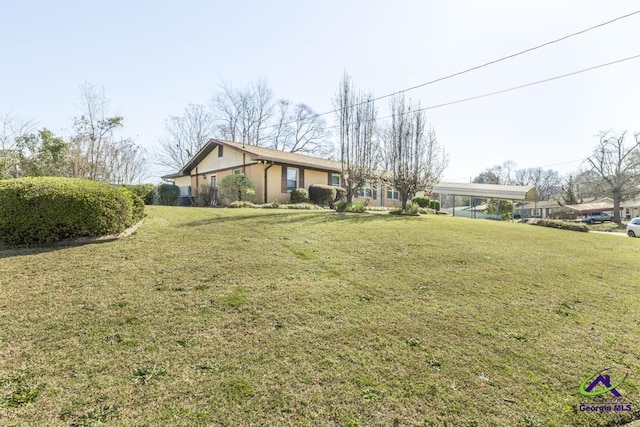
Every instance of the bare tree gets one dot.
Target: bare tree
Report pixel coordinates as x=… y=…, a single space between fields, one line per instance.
x=413 y=156
x=95 y=152
x=356 y=115
x=93 y=132
x=243 y=114
x=184 y=136
x=618 y=167
x=125 y=162
x=13 y=131
x=546 y=181
x=299 y=130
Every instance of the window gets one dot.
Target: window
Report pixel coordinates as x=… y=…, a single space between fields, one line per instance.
x=365 y=192
x=392 y=193
x=214 y=181
x=220 y=150
x=292 y=179
x=237 y=171
x=335 y=180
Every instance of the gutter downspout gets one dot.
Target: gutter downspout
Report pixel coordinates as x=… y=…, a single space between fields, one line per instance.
x=265 y=181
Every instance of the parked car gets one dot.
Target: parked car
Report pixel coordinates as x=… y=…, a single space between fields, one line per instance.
x=633 y=228
x=596 y=217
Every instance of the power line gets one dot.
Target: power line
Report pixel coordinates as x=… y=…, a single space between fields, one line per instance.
x=472 y=98
x=486 y=64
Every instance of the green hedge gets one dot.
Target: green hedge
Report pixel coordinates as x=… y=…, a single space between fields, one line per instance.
x=46 y=209
x=145 y=191
x=341 y=193
x=299 y=195
x=421 y=201
x=563 y=225
x=322 y=195
x=168 y=194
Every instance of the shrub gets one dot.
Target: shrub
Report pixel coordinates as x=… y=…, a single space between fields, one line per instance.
x=299 y=195
x=145 y=191
x=206 y=195
x=322 y=195
x=435 y=205
x=421 y=201
x=356 y=207
x=236 y=188
x=168 y=194
x=137 y=204
x=413 y=209
x=341 y=205
x=341 y=193
x=43 y=210
x=554 y=223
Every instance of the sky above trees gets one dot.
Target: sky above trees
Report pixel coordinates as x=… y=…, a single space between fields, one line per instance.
x=155 y=58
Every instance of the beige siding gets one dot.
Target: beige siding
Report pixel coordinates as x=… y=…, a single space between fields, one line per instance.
x=315 y=177
x=230 y=158
x=183 y=182
x=255 y=173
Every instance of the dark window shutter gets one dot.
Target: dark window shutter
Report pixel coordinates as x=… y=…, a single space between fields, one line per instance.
x=329 y=178
x=283 y=187
x=301 y=179
x=375 y=193
x=219 y=150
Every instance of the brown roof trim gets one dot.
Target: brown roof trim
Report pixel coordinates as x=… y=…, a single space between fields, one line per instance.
x=262 y=153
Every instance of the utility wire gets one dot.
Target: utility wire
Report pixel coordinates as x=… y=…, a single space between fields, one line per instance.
x=471 y=98
x=486 y=64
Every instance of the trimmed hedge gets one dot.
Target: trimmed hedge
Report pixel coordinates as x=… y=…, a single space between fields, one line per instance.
x=421 y=201
x=144 y=191
x=46 y=209
x=168 y=194
x=299 y=195
x=322 y=195
x=435 y=205
x=563 y=225
x=341 y=193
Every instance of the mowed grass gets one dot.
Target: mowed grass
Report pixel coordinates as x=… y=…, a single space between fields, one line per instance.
x=252 y=317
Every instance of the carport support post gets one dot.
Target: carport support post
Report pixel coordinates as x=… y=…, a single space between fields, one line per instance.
x=454 y=205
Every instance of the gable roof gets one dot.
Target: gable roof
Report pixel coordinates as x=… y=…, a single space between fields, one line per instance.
x=259 y=153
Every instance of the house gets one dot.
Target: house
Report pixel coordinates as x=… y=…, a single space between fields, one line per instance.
x=274 y=173
x=541 y=209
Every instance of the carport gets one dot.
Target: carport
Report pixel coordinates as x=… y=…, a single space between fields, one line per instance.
x=524 y=193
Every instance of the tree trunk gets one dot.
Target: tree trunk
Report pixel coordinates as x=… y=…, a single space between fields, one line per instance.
x=616 y=206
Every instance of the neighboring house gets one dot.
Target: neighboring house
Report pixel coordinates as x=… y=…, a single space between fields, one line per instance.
x=631 y=209
x=275 y=173
x=541 y=209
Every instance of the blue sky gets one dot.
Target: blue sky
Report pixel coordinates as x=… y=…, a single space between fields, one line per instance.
x=153 y=58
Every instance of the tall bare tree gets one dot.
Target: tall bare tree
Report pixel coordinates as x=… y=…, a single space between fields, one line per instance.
x=299 y=129
x=546 y=181
x=13 y=132
x=96 y=152
x=413 y=156
x=356 y=114
x=184 y=136
x=243 y=114
x=617 y=164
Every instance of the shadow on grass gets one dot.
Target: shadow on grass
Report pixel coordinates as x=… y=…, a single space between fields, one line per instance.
x=315 y=217
x=14 y=251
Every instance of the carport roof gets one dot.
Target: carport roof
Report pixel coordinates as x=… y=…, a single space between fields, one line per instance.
x=493 y=191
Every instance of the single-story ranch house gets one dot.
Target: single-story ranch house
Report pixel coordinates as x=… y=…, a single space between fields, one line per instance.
x=275 y=173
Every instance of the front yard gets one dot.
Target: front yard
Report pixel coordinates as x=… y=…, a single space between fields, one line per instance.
x=266 y=317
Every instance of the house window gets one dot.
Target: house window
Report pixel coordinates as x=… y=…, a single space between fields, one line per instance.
x=292 y=179
x=214 y=181
x=365 y=192
x=220 y=150
x=393 y=194
x=335 y=179
x=237 y=171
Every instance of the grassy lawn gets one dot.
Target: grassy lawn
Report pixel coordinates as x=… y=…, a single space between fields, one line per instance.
x=266 y=317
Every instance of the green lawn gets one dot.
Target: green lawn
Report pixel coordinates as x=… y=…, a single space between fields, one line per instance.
x=279 y=317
